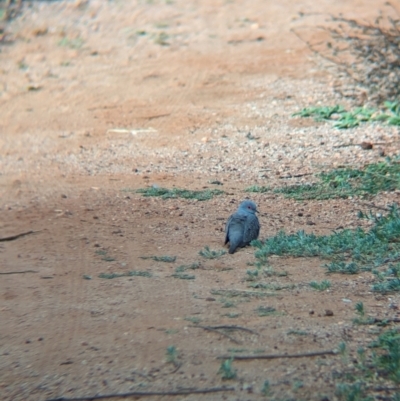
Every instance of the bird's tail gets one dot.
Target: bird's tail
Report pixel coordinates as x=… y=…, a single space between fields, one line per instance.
x=233 y=245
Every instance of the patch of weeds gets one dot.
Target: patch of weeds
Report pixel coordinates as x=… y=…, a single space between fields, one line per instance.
x=388 y=360
x=193 y=319
x=166 y=259
x=297 y=333
x=184 y=276
x=87 y=277
x=322 y=286
x=227 y=304
x=350 y=251
x=263 y=311
x=76 y=43
x=127 y=274
x=266 y=389
x=346 y=182
x=343 y=267
x=352 y=392
x=226 y=370
x=252 y=275
x=232 y=315
x=208 y=253
x=390 y=113
x=182 y=268
x=139 y=273
x=102 y=252
x=297 y=385
x=258 y=188
x=165 y=193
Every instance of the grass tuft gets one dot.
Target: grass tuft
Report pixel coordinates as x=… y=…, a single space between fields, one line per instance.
x=322 y=286
x=210 y=254
x=226 y=370
x=128 y=274
x=165 y=193
x=166 y=259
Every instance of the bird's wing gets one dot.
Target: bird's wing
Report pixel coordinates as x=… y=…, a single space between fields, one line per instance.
x=235 y=226
x=227 y=229
x=251 y=229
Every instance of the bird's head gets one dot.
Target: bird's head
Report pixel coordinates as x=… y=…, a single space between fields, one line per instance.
x=249 y=206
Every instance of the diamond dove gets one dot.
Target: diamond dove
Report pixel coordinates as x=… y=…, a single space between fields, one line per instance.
x=243 y=226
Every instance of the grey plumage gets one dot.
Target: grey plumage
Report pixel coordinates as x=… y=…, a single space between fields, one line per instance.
x=242 y=227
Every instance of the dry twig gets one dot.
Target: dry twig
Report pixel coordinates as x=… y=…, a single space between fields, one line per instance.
x=147 y=394
x=277 y=356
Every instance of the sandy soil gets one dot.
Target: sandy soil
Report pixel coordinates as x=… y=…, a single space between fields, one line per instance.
x=101 y=98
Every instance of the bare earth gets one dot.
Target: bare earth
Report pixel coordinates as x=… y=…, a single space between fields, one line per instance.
x=99 y=99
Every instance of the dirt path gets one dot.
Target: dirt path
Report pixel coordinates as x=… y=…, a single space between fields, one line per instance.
x=99 y=99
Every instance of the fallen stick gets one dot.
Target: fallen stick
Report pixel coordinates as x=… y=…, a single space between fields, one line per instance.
x=235 y=328
x=277 y=356
x=21 y=272
x=13 y=237
x=146 y=393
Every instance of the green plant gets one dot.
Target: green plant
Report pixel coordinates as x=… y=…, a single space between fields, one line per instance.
x=322 y=286
x=210 y=254
x=171 y=355
x=266 y=388
x=226 y=370
x=165 y=193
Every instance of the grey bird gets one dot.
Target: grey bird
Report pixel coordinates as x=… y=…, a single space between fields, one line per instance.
x=242 y=227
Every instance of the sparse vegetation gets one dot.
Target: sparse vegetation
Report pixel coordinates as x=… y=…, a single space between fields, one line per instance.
x=322 y=286
x=343 y=119
x=184 y=276
x=165 y=193
x=350 y=251
x=208 y=253
x=166 y=259
x=346 y=182
x=127 y=274
x=258 y=188
x=105 y=257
